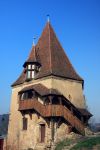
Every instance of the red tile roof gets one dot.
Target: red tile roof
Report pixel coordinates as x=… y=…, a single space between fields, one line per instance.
x=52 y=57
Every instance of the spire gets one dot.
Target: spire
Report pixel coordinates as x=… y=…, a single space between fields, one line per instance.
x=33 y=57
x=34 y=38
x=54 y=60
x=48 y=18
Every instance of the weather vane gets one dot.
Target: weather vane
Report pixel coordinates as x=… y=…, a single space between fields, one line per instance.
x=34 y=38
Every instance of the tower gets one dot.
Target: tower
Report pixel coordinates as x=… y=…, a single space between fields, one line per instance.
x=47 y=99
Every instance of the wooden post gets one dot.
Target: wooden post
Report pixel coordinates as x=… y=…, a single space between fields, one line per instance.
x=50 y=98
x=72 y=110
x=60 y=100
x=30 y=114
x=82 y=119
x=69 y=129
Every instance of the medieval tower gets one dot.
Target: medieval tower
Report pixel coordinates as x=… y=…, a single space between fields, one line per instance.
x=47 y=99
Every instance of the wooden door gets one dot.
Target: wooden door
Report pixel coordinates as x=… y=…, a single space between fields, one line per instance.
x=42 y=130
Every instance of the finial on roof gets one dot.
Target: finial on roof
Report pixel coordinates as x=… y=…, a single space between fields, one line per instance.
x=48 y=17
x=34 y=38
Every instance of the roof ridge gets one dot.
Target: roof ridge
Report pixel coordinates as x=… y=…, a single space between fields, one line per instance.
x=50 y=47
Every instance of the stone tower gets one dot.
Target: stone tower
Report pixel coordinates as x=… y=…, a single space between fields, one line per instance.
x=47 y=99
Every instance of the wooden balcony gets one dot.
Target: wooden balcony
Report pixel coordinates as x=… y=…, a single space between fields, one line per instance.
x=52 y=111
x=44 y=110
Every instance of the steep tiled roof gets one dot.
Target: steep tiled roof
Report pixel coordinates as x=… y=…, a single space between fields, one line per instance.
x=41 y=89
x=53 y=59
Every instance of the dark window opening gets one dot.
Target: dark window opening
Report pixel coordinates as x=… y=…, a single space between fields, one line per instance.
x=27 y=95
x=25 y=121
x=42 y=133
x=47 y=101
x=55 y=101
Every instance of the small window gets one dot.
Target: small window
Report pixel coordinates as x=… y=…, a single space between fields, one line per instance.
x=33 y=66
x=29 y=74
x=33 y=74
x=42 y=133
x=32 y=70
x=25 y=121
x=29 y=66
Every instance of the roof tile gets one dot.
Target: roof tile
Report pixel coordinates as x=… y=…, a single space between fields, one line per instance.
x=52 y=57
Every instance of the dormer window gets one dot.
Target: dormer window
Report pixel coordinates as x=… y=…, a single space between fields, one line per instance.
x=32 y=70
x=32 y=65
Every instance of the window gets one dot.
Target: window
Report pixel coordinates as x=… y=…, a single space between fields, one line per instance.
x=29 y=66
x=55 y=100
x=28 y=74
x=27 y=95
x=32 y=69
x=25 y=121
x=42 y=133
x=33 y=74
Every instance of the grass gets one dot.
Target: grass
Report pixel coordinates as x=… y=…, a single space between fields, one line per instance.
x=63 y=143
x=88 y=143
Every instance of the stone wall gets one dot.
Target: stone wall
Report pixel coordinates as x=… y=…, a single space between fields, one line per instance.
x=72 y=90
x=21 y=140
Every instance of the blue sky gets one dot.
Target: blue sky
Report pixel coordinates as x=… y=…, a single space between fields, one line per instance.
x=77 y=26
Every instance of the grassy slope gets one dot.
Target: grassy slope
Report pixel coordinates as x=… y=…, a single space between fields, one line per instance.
x=62 y=144
x=86 y=144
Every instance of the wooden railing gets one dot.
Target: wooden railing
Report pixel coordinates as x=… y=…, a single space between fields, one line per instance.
x=32 y=104
x=52 y=110
x=73 y=120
